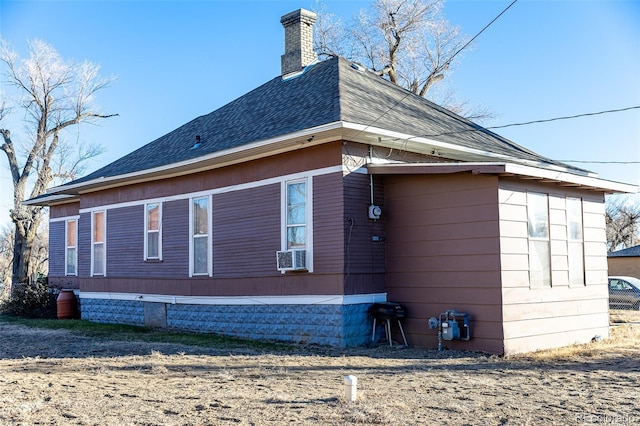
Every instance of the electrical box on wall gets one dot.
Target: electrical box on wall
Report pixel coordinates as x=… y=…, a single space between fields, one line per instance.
x=374 y=212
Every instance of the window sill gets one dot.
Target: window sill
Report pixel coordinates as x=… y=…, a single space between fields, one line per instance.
x=153 y=261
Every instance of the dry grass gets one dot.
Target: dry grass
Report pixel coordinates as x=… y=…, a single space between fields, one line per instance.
x=59 y=377
x=621 y=316
x=623 y=344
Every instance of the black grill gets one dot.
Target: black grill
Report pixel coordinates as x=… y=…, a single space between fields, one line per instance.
x=387 y=311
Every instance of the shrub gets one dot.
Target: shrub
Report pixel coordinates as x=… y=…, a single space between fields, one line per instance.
x=31 y=300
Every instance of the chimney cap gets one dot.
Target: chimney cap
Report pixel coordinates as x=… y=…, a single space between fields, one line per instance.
x=298 y=15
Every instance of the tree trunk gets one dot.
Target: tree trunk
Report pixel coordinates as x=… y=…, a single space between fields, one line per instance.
x=26 y=222
x=22 y=246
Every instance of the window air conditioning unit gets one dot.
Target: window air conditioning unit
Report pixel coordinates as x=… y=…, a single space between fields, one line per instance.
x=291 y=260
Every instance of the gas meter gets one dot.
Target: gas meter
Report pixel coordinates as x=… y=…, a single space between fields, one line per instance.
x=451 y=325
x=450 y=330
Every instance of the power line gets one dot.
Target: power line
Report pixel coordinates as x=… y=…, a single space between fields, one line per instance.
x=599 y=162
x=476 y=36
x=564 y=117
x=447 y=62
x=567 y=117
x=546 y=120
x=512 y=124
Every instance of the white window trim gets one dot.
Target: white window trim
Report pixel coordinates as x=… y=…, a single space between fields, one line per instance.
x=104 y=243
x=66 y=247
x=571 y=252
x=209 y=232
x=546 y=240
x=308 y=215
x=146 y=231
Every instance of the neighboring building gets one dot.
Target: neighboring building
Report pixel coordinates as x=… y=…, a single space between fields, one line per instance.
x=625 y=262
x=367 y=192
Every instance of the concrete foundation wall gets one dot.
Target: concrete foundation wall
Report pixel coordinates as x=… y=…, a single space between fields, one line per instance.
x=334 y=325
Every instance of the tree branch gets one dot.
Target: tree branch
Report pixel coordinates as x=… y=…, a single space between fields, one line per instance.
x=7 y=147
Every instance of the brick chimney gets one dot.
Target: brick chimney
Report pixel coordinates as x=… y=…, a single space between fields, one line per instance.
x=298 y=41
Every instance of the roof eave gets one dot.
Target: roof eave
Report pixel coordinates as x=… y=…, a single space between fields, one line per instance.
x=423 y=145
x=260 y=149
x=507 y=169
x=51 y=200
x=339 y=130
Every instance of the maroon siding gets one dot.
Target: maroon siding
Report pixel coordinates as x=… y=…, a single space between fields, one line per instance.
x=175 y=240
x=364 y=258
x=281 y=285
x=328 y=232
x=64 y=210
x=84 y=245
x=246 y=232
x=246 y=235
x=125 y=241
x=316 y=157
x=443 y=252
x=57 y=249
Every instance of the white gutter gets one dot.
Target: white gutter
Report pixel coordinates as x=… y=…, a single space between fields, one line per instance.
x=402 y=140
x=342 y=130
x=501 y=168
x=570 y=178
x=50 y=199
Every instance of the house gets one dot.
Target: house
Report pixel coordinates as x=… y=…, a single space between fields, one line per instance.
x=625 y=262
x=288 y=212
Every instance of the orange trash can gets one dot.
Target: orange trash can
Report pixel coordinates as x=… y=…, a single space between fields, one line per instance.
x=67 y=305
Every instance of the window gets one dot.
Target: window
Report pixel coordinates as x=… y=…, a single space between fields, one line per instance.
x=98 y=248
x=296 y=203
x=539 y=245
x=153 y=235
x=200 y=236
x=296 y=224
x=575 y=241
x=71 y=253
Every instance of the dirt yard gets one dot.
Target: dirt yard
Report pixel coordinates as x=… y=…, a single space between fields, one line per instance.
x=56 y=377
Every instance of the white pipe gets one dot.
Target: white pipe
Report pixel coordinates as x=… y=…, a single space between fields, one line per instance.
x=350 y=388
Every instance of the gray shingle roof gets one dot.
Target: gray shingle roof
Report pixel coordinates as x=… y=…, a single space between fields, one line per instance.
x=326 y=92
x=628 y=252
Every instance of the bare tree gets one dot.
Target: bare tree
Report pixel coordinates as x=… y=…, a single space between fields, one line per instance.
x=39 y=262
x=623 y=225
x=408 y=41
x=53 y=95
x=6 y=260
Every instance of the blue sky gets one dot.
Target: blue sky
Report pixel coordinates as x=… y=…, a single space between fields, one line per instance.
x=176 y=60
